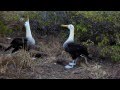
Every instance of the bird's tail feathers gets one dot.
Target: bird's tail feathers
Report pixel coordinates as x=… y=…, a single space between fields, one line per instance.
x=8 y=48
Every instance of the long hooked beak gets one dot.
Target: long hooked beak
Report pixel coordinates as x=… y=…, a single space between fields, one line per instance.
x=64 y=26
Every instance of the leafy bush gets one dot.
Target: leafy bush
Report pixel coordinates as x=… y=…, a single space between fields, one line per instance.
x=111 y=51
x=104 y=42
x=88 y=24
x=4 y=30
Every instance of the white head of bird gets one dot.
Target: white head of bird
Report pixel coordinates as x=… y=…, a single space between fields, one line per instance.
x=71 y=35
x=70 y=26
x=27 y=22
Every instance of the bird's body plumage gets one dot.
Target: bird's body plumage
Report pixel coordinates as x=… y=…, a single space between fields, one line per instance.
x=18 y=43
x=25 y=42
x=75 y=50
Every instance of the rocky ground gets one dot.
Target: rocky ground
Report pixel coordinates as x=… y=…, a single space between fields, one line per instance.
x=21 y=65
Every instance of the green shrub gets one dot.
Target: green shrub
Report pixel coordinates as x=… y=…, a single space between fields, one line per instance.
x=104 y=42
x=111 y=51
x=118 y=39
x=4 y=30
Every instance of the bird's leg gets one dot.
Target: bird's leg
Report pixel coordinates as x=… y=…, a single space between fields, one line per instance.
x=71 y=64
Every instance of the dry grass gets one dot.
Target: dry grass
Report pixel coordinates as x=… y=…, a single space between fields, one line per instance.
x=20 y=65
x=54 y=50
x=14 y=65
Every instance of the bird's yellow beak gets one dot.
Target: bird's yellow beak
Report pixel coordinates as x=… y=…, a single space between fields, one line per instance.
x=64 y=26
x=27 y=18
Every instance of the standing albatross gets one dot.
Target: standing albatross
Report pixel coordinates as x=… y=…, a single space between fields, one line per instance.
x=75 y=50
x=24 y=42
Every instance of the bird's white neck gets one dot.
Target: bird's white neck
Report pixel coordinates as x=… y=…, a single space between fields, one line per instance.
x=70 y=38
x=28 y=30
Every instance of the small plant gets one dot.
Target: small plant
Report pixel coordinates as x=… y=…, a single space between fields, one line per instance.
x=88 y=42
x=104 y=42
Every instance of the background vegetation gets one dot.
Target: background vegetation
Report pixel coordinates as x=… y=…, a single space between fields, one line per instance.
x=92 y=28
